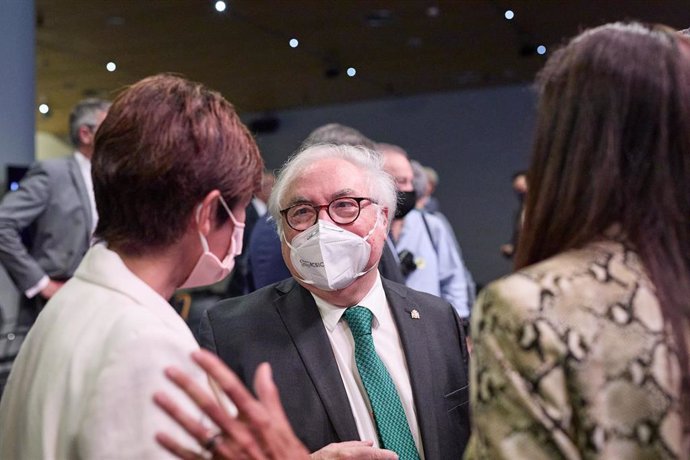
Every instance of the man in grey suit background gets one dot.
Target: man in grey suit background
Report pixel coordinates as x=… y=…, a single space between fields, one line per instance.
x=364 y=366
x=55 y=201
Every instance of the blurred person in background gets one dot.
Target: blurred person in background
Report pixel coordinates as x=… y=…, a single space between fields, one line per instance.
x=429 y=201
x=55 y=200
x=583 y=353
x=46 y=226
x=420 y=182
x=433 y=263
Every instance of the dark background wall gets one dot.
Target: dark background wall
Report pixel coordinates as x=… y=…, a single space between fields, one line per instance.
x=475 y=140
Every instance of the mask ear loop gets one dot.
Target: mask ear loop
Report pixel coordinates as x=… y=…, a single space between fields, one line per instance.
x=376 y=224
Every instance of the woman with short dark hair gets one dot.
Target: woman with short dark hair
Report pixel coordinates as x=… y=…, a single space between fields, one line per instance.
x=173 y=170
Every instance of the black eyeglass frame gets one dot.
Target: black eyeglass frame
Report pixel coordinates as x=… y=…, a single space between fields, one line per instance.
x=318 y=207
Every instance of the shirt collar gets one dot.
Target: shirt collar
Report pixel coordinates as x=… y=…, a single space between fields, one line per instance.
x=375 y=300
x=82 y=161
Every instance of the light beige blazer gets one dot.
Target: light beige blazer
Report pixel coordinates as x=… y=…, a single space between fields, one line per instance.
x=82 y=385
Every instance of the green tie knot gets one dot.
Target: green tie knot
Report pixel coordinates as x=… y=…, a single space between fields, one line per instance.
x=359 y=318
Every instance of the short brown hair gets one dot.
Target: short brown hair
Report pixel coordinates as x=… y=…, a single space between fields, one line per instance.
x=165 y=144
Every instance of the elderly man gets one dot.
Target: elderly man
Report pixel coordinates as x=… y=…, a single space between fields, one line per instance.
x=362 y=364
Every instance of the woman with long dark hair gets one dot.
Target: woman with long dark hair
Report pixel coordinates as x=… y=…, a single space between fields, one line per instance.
x=583 y=352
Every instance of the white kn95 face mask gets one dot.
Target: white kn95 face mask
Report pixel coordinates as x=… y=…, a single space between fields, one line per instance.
x=329 y=257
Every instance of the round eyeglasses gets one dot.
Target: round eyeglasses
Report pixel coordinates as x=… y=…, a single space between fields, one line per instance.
x=342 y=211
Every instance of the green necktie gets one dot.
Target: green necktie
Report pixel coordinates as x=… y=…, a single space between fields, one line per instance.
x=391 y=423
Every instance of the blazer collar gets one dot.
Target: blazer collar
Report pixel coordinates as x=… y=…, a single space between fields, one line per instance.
x=303 y=322
x=300 y=314
x=410 y=318
x=105 y=268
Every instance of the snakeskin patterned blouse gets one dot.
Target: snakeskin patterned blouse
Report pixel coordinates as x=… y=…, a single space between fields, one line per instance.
x=572 y=360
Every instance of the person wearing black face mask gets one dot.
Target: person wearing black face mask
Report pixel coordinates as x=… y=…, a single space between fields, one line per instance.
x=406 y=202
x=438 y=267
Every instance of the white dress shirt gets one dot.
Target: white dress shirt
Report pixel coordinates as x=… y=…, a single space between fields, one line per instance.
x=85 y=169
x=389 y=349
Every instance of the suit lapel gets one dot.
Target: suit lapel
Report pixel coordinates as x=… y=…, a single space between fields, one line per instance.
x=413 y=335
x=303 y=322
x=79 y=184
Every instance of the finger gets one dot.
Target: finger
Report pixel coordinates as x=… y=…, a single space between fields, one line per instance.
x=207 y=403
x=354 y=444
x=371 y=453
x=227 y=381
x=176 y=449
x=383 y=454
x=238 y=440
x=191 y=425
x=268 y=393
x=249 y=409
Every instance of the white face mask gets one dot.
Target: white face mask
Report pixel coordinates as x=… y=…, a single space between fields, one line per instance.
x=209 y=269
x=329 y=257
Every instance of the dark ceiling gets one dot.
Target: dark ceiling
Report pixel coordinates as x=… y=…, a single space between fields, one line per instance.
x=396 y=47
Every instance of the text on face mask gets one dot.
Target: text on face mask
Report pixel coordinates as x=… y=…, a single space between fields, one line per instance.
x=306 y=263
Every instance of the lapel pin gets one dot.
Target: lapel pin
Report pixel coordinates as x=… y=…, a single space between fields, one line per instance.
x=414 y=314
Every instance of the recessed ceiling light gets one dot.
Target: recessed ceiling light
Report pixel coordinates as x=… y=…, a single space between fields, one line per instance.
x=433 y=11
x=220 y=6
x=541 y=49
x=351 y=71
x=111 y=66
x=509 y=14
x=44 y=108
x=294 y=43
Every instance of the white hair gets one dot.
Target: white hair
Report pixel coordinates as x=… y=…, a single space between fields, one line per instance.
x=381 y=185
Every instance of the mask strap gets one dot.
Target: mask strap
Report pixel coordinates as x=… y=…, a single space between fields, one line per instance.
x=232 y=217
x=235 y=222
x=376 y=224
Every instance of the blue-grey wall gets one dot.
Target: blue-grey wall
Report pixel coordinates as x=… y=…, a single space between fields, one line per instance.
x=17 y=63
x=475 y=139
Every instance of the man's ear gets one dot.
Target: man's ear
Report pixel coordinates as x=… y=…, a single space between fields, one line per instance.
x=204 y=213
x=384 y=212
x=86 y=135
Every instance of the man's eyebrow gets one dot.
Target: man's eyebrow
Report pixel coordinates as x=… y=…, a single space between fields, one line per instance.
x=299 y=199
x=342 y=193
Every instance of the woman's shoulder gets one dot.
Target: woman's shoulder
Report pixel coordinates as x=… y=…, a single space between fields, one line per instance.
x=600 y=266
x=576 y=293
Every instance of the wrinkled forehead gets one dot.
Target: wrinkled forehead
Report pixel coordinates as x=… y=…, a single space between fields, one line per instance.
x=326 y=180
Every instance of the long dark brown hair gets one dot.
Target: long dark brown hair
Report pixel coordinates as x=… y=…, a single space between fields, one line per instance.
x=612 y=150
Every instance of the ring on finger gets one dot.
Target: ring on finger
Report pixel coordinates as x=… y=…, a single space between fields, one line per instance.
x=212 y=441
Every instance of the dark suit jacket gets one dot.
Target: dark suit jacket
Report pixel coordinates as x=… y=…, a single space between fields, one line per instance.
x=265 y=257
x=53 y=198
x=281 y=324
